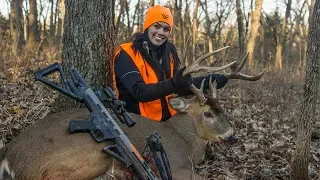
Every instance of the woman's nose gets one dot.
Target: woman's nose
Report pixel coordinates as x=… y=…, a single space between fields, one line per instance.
x=161 y=30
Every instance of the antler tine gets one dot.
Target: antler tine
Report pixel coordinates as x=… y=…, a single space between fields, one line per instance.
x=244 y=76
x=195 y=67
x=212 y=88
x=199 y=92
x=213 y=95
x=236 y=68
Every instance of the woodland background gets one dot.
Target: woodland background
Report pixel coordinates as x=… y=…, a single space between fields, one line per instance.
x=35 y=34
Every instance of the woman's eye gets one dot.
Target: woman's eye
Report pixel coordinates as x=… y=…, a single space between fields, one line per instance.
x=166 y=29
x=208 y=114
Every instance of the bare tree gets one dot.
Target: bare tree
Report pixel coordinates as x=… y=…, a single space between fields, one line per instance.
x=178 y=24
x=43 y=12
x=151 y=3
x=129 y=27
x=281 y=33
x=262 y=43
x=240 y=27
x=119 y=14
x=33 y=32
x=25 y=11
x=135 y=17
x=186 y=33
x=53 y=19
x=311 y=88
x=311 y=7
x=255 y=23
x=88 y=43
x=214 y=23
x=16 y=26
x=60 y=12
x=195 y=27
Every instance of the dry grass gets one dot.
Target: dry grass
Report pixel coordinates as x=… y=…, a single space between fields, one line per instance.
x=22 y=100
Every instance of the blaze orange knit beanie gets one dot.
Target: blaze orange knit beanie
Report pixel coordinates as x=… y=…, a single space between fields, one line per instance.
x=158 y=13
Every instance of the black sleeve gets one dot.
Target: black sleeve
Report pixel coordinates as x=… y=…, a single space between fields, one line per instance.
x=129 y=75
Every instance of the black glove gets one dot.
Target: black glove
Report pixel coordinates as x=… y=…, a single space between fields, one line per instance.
x=181 y=82
x=221 y=81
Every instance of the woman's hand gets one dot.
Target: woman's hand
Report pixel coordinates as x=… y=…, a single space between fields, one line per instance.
x=181 y=82
x=220 y=79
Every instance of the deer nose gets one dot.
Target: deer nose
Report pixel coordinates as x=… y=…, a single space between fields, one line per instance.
x=233 y=139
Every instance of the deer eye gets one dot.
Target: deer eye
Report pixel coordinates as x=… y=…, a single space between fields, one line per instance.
x=207 y=114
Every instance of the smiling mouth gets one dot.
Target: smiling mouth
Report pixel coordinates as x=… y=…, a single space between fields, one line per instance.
x=158 y=38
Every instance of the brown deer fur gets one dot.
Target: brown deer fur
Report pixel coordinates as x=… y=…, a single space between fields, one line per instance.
x=47 y=150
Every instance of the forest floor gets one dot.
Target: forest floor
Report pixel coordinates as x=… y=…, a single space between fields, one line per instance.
x=268 y=110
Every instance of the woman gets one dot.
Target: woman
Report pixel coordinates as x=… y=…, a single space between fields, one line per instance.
x=147 y=70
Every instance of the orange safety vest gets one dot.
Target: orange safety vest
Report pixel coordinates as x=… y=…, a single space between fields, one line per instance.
x=151 y=109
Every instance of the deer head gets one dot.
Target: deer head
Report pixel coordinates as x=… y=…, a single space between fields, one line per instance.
x=214 y=123
x=211 y=121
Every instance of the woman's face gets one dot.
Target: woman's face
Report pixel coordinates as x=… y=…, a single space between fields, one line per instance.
x=158 y=33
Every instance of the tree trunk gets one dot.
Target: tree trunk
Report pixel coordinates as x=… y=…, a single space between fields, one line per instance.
x=34 y=35
x=60 y=12
x=308 y=114
x=129 y=31
x=151 y=3
x=279 y=56
x=63 y=13
x=186 y=34
x=311 y=7
x=262 y=52
x=26 y=13
x=240 y=27
x=118 y=20
x=211 y=49
x=174 y=30
x=195 y=28
x=52 y=22
x=255 y=23
x=180 y=25
x=88 y=43
x=16 y=26
x=278 y=63
x=135 y=29
x=207 y=27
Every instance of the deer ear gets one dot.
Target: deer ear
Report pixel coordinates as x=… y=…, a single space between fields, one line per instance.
x=179 y=104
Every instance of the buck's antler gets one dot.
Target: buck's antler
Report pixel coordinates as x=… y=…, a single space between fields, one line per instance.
x=195 y=67
x=199 y=92
x=236 y=74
